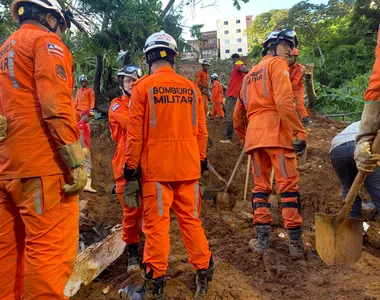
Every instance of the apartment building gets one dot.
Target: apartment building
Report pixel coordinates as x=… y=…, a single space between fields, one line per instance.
x=208 y=44
x=231 y=36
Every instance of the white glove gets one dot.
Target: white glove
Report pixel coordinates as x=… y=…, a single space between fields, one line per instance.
x=3 y=128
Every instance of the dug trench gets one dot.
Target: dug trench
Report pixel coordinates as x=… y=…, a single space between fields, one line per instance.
x=239 y=274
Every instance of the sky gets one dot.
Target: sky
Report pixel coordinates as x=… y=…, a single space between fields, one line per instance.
x=225 y=9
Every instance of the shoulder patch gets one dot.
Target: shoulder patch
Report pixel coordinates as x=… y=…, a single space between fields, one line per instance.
x=60 y=72
x=115 y=106
x=54 y=49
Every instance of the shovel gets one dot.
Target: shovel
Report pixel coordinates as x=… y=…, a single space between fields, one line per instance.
x=338 y=239
x=223 y=198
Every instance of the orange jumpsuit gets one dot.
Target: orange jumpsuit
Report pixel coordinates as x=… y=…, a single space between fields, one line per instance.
x=272 y=127
x=240 y=119
x=118 y=117
x=84 y=100
x=167 y=136
x=217 y=99
x=373 y=91
x=296 y=74
x=202 y=80
x=38 y=221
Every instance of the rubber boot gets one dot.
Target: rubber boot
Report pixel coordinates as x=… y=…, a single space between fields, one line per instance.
x=204 y=277
x=262 y=242
x=296 y=244
x=133 y=258
x=88 y=187
x=152 y=289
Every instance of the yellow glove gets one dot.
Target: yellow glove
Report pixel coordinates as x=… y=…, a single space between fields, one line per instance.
x=86 y=152
x=365 y=160
x=3 y=128
x=78 y=181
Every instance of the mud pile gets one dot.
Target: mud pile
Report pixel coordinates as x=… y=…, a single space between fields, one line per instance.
x=238 y=273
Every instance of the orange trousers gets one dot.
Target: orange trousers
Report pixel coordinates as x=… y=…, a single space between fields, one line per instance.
x=205 y=103
x=286 y=174
x=217 y=109
x=39 y=238
x=299 y=100
x=78 y=115
x=185 y=200
x=131 y=216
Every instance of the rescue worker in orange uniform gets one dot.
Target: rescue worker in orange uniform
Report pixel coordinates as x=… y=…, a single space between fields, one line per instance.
x=216 y=97
x=202 y=79
x=273 y=134
x=166 y=151
x=41 y=160
x=366 y=160
x=118 y=118
x=238 y=72
x=85 y=98
x=296 y=72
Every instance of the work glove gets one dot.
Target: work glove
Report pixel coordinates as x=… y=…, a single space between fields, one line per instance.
x=85 y=151
x=299 y=146
x=204 y=166
x=132 y=174
x=132 y=193
x=3 y=128
x=305 y=122
x=73 y=158
x=78 y=181
x=365 y=160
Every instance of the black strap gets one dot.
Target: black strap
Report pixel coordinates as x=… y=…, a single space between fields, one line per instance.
x=260 y=204
x=264 y=196
x=290 y=205
x=290 y=195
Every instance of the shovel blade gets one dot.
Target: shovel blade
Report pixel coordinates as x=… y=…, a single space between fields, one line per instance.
x=338 y=243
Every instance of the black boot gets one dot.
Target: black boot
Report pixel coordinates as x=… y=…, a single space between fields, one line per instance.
x=262 y=242
x=133 y=258
x=203 y=278
x=296 y=244
x=152 y=289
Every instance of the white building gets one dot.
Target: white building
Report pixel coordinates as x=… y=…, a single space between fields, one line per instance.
x=231 y=36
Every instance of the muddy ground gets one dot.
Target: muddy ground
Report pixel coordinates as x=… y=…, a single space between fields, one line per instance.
x=238 y=273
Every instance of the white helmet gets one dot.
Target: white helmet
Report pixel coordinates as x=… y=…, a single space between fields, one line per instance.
x=206 y=62
x=131 y=71
x=214 y=76
x=82 y=78
x=160 y=40
x=18 y=10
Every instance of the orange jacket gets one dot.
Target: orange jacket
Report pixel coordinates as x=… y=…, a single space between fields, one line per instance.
x=373 y=91
x=240 y=119
x=85 y=99
x=202 y=79
x=167 y=131
x=268 y=98
x=217 y=92
x=36 y=85
x=118 y=118
x=296 y=74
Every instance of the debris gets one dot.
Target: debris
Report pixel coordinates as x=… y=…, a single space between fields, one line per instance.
x=106 y=290
x=365 y=226
x=281 y=235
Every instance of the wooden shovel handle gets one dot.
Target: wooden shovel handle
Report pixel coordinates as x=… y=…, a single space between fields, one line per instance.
x=234 y=171
x=356 y=186
x=247 y=177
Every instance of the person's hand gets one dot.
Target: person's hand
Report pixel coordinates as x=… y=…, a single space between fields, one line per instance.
x=132 y=174
x=299 y=146
x=131 y=194
x=3 y=128
x=78 y=181
x=365 y=160
x=204 y=166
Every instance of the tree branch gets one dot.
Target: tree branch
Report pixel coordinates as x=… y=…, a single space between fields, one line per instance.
x=166 y=9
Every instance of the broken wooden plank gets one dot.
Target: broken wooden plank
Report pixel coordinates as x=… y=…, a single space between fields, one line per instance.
x=94 y=260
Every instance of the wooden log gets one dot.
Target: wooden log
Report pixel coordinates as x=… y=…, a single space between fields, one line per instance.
x=309 y=84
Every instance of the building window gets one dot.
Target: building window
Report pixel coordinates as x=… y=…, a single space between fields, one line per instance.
x=227 y=51
x=227 y=42
x=237 y=21
x=225 y=31
x=238 y=30
x=225 y=22
x=239 y=40
x=212 y=42
x=240 y=49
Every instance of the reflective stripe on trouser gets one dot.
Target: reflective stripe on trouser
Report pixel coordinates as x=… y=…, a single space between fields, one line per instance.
x=184 y=198
x=286 y=175
x=39 y=238
x=299 y=100
x=88 y=164
x=217 y=109
x=131 y=216
x=205 y=103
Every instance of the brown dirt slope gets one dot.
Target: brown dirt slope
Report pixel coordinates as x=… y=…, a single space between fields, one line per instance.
x=238 y=273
